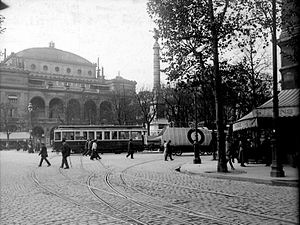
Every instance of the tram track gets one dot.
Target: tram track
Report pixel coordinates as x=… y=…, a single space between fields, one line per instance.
x=120 y=212
x=72 y=201
x=236 y=210
x=118 y=189
x=169 y=209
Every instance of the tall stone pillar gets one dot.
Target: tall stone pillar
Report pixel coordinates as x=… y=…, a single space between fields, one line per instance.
x=156 y=65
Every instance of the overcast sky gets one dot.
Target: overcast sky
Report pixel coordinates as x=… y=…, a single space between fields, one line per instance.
x=119 y=32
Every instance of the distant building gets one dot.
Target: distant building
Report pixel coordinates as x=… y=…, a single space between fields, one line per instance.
x=62 y=88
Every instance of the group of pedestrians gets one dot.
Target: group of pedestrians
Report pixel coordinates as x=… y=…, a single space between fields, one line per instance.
x=91 y=149
x=240 y=148
x=65 y=152
x=235 y=149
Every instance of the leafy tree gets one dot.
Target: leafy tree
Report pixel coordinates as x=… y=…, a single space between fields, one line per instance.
x=194 y=34
x=1 y=22
x=237 y=90
x=124 y=105
x=178 y=102
x=9 y=119
x=146 y=100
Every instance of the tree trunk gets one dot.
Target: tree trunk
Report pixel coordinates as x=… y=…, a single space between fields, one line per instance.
x=222 y=165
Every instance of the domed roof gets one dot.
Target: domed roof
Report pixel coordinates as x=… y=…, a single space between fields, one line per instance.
x=51 y=54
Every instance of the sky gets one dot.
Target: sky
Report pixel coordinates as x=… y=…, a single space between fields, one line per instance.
x=119 y=32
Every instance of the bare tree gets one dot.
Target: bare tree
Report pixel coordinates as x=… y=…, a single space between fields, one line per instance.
x=147 y=101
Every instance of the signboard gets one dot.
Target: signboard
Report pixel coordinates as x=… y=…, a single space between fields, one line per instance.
x=244 y=124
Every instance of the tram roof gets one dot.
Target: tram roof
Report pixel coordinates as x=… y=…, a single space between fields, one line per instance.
x=100 y=127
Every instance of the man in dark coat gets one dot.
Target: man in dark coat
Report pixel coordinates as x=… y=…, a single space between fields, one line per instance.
x=168 y=151
x=130 y=149
x=43 y=153
x=65 y=151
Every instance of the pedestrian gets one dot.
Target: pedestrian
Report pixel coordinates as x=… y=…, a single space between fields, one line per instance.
x=86 y=148
x=165 y=149
x=90 y=144
x=229 y=152
x=65 y=151
x=18 y=146
x=241 y=154
x=37 y=145
x=130 y=150
x=266 y=147
x=25 y=145
x=44 y=154
x=94 y=154
x=168 y=151
x=30 y=147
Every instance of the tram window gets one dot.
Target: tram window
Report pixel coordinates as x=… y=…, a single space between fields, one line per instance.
x=84 y=135
x=68 y=135
x=123 y=134
x=106 y=135
x=57 y=136
x=91 y=135
x=136 y=135
x=77 y=135
x=99 y=135
x=114 y=135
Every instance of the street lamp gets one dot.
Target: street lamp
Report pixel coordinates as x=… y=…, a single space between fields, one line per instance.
x=197 y=159
x=276 y=167
x=30 y=108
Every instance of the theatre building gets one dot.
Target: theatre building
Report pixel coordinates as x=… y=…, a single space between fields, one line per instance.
x=41 y=88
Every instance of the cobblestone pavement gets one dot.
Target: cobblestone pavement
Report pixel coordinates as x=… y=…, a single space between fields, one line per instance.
x=143 y=190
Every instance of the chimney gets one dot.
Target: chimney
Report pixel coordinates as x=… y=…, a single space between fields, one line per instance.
x=98 y=69
x=102 y=71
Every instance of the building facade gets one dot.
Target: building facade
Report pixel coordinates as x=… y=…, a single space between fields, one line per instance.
x=61 y=87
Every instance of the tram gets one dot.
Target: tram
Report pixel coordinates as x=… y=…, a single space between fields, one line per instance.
x=110 y=138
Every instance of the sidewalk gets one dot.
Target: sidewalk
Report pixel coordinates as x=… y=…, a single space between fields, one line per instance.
x=258 y=173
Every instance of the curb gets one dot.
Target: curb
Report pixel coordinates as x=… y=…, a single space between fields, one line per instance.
x=274 y=182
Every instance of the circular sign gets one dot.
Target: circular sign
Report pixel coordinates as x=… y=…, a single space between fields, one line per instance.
x=191 y=135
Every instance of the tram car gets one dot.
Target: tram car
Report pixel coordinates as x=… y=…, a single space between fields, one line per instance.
x=110 y=138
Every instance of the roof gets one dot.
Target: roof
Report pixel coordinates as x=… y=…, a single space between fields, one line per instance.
x=286 y=98
x=288 y=106
x=53 y=55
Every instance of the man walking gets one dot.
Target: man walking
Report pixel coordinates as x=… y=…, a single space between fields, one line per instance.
x=65 y=151
x=130 y=149
x=43 y=153
x=168 y=151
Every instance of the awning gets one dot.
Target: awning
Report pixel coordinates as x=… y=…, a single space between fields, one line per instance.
x=288 y=106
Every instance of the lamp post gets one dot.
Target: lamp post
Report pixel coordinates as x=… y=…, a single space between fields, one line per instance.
x=276 y=168
x=30 y=108
x=197 y=159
